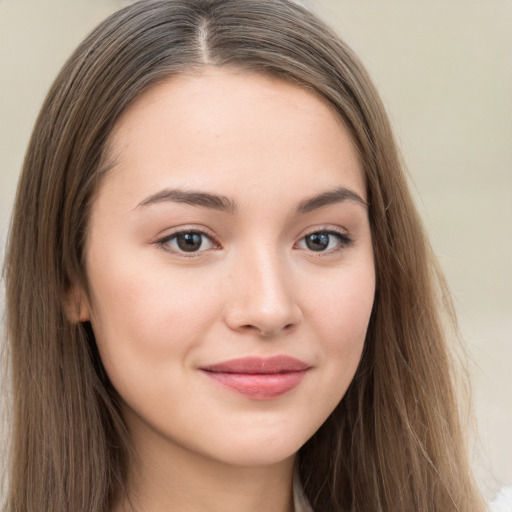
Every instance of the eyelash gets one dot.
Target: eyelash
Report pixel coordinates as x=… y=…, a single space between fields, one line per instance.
x=344 y=241
x=164 y=242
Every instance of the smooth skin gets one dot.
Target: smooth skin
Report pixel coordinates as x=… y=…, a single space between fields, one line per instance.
x=205 y=245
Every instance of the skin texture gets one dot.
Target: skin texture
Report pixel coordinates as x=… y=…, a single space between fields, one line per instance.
x=253 y=288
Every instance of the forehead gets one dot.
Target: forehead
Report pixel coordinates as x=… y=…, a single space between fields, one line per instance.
x=221 y=129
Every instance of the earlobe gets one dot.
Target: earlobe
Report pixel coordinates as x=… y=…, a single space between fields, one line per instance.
x=76 y=306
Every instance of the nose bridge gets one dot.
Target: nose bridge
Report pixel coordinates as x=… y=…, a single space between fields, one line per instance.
x=263 y=298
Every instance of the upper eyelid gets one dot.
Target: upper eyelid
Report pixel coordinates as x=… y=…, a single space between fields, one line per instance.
x=338 y=230
x=187 y=229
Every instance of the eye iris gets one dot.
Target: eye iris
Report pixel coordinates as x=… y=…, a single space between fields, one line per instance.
x=317 y=241
x=189 y=242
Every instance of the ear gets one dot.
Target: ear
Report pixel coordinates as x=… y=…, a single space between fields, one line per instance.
x=76 y=305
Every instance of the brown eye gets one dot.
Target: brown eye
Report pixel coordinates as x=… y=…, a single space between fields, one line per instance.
x=188 y=241
x=324 y=241
x=318 y=241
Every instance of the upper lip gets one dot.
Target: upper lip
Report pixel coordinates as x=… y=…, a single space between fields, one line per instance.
x=258 y=365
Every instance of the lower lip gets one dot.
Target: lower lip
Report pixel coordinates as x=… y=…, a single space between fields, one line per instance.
x=259 y=386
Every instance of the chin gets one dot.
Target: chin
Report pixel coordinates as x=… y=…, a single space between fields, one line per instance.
x=254 y=456
x=261 y=448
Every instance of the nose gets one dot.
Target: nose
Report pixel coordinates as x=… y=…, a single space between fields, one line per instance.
x=262 y=299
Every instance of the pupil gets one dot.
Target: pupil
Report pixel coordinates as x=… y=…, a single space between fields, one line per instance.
x=317 y=241
x=189 y=242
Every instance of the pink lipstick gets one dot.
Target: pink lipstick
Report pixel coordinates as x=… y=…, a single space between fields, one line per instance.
x=259 y=378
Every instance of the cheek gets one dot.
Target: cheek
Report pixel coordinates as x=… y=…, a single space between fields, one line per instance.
x=342 y=302
x=144 y=320
x=340 y=312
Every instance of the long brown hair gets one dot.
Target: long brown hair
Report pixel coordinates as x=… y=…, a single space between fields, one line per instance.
x=395 y=442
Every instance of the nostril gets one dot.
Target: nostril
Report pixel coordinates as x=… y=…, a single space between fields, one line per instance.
x=272 y=333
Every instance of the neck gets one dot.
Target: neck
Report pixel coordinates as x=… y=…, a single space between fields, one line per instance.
x=169 y=478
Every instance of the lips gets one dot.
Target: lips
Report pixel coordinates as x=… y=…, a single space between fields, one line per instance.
x=258 y=378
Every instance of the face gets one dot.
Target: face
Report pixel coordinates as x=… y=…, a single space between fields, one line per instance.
x=230 y=266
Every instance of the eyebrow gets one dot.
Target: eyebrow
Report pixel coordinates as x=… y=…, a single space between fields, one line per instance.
x=328 y=198
x=223 y=203
x=192 y=198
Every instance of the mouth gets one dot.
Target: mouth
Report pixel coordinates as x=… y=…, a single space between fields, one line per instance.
x=258 y=378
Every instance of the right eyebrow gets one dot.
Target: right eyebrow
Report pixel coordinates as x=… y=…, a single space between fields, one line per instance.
x=192 y=198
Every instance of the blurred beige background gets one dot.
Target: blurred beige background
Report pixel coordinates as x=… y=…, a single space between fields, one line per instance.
x=445 y=71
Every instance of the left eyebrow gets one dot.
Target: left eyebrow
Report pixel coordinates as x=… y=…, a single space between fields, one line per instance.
x=338 y=195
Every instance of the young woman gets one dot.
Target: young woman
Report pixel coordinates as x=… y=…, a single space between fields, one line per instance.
x=219 y=294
